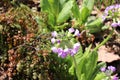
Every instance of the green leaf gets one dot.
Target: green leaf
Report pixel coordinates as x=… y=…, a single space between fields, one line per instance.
x=100 y=76
x=71 y=69
x=45 y=6
x=97 y=70
x=76 y=11
x=62 y=2
x=84 y=14
x=81 y=59
x=94 y=26
x=65 y=12
x=91 y=64
x=55 y=6
x=83 y=77
x=89 y=4
x=51 y=19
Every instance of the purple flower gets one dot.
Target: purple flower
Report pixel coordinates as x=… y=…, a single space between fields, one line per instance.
x=110 y=12
x=54 y=34
x=115 y=78
x=62 y=53
x=58 y=41
x=75 y=49
x=76 y=46
x=114 y=24
x=54 y=49
x=77 y=32
x=117 y=6
x=118 y=23
x=53 y=40
x=73 y=52
x=112 y=68
x=71 y=30
x=60 y=50
x=103 y=69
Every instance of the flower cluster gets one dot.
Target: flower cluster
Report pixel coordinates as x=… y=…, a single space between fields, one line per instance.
x=110 y=68
x=113 y=12
x=108 y=71
x=64 y=43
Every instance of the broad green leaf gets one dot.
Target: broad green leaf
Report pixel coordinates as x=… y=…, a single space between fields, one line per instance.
x=97 y=70
x=51 y=19
x=95 y=26
x=91 y=64
x=65 y=12
x=84 y=14
x=81 y=60
x=55 y=7
x=45 y=6
x=71 y=69
x=89 y=4
x=100 y=76
x=62 y=2
x=76 y=11
x=83 y=77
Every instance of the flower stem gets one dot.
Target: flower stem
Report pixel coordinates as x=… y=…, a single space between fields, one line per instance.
x=104 y=41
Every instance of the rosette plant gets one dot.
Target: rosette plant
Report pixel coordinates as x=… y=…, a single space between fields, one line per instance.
x=58 y=12
x=83 y=64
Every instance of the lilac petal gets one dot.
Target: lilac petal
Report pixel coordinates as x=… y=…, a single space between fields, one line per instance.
x=77 y=32
x=71 y=30
x=54 y=49
x=60 y=50
x=114 y=24
x=53 y=40
x=117 y=6
x=76 y=46
x=58 y=41
x=112 y=68
x=75 y=49
x=103 y=69
x=115 y=78
x=54 y=34
x=103 y=18
x=61 y=53
x=111 y=7
x=73 y=52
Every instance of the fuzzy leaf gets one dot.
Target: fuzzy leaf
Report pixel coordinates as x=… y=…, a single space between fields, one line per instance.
x=89 y=4
x=95 y=26
x=65 y=12
x=76 y=11
x=45 y=6
x=84 y=14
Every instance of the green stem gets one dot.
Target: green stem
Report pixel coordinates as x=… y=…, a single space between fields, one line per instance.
x=104 y=41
